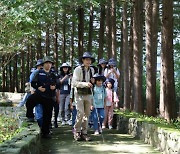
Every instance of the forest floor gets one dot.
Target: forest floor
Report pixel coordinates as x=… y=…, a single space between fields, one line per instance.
x=62 y=142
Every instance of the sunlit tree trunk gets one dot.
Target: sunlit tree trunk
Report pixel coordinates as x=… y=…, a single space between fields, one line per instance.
x=168 y=83
x=151 y=55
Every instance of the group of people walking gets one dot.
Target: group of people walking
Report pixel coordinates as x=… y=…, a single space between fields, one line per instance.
x=86 y=95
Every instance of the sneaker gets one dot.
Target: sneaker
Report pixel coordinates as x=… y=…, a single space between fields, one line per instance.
x=96 y=132
x=63 y=123
x=110 y=127
x=103 y=127
x=85 y=137
x=77 y=136
x=69 y=122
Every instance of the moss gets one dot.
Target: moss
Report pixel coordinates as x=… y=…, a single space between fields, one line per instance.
x=162 y=123
x=8 y=128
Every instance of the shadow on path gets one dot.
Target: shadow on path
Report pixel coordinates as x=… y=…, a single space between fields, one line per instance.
x=62 y=142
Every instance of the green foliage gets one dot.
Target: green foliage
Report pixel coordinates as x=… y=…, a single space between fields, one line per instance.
x=155 y=120
x=8 y=128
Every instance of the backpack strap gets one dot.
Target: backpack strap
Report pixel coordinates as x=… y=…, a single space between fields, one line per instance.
x=83 y=71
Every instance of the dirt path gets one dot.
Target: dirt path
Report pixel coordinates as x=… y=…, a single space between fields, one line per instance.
x=62 y=143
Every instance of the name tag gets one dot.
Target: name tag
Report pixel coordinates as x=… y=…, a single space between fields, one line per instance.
x=65 y=87
x=100 y=96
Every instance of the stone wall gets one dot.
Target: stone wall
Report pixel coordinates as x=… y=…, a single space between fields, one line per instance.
x=27 y=141
x=166 y=141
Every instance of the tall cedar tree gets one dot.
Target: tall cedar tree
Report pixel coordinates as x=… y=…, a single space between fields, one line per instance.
x=168 y=84
x=125 y=59
x=101 y=32
x=90 y=30
x=137 y=49
x=80 y=30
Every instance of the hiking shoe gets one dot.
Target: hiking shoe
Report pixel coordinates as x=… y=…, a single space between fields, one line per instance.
x=85 y=137
x=103 y=127
x=110 y=127
x=96 y=132
x=63 y=123
x=77 y=136
x=69 y=122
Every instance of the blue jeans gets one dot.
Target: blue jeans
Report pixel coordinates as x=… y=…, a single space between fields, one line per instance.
x=39 y=114
x=74 y=113
x=98 y=117
x=24 y=99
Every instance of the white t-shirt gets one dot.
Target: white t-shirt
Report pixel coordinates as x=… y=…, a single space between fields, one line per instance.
x=112 y=75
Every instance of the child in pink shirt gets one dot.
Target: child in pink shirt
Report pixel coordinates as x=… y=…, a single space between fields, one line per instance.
x=112 y=99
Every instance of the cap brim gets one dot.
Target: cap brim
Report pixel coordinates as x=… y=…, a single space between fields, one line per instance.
x=92 y=59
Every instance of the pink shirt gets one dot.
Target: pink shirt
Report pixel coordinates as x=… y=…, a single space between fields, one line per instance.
x=109 y=97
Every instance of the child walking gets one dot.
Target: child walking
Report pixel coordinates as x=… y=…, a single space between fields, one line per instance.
x=99 y=96
x=112 y=99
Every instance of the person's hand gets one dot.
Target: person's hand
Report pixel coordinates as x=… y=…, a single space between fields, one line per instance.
x=41 y=89
x=52 y=87
x=90 y=85
x=71 y=107
x=92 y=80
x=92 y=107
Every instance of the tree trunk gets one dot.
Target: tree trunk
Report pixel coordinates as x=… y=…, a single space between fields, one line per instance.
x=121 y=79
x=15 y=74
x=39 y=48
x=22 y=74
x=108 y=31
x=90 y=30
x=131 y=66
x=28 y=63
x=10 y=77
x=113 y=28
x=31 y=57
x=151 y=55
x=64 y=38
x=80 y=30
x=47 y=41
x=168 y=61
x=3 y=75
x=56 y=40
x=150 y=99
x=72 y=44
x=137 y=49
x=125 y=59
x=101 y=32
